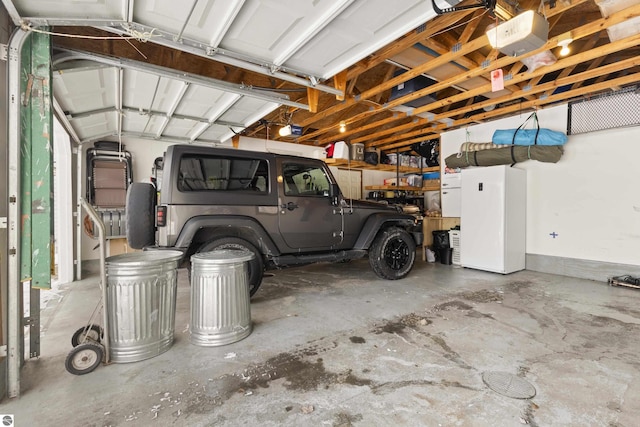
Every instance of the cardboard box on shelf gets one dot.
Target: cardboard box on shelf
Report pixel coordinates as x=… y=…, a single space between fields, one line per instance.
x=394 y=181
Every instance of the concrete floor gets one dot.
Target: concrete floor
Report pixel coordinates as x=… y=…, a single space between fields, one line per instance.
x=334 y=345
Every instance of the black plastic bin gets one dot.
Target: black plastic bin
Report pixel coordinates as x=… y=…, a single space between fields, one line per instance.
x=440 y=239
x=441 y=246
x=446 y=256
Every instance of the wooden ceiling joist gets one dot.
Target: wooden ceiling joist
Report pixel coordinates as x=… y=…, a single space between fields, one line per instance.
x=578 y=33
x=528 y=105
x=526 y=76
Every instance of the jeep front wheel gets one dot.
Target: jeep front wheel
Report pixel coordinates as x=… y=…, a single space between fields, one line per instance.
x=256 y=265
x=392 y=253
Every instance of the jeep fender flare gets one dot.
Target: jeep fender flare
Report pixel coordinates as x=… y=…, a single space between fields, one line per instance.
x=238 y=226
x=378 y=221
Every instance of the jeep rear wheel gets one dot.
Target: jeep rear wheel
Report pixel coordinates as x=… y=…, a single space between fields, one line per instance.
x=256 y=265
x=139 y=214
x=392 y=253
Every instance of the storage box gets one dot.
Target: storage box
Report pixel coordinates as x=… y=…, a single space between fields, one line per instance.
x=414 y=180
x=411 y=86
x=337 y=150
x=394 y=181
x=357 y=152
x=341 y=150
x=431 y=175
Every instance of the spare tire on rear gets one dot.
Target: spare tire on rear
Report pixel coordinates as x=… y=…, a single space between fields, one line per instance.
x=140 y=210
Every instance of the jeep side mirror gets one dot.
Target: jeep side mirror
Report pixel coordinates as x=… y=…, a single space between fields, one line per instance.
x=334 y=193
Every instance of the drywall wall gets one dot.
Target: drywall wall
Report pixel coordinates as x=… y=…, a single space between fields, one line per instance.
x=64 y=205
x=586 y=206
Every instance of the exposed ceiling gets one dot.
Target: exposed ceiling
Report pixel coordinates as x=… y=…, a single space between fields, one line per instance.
x=209 y=69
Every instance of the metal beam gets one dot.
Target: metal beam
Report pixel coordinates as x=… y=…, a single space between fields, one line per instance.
x=15 y=345
x=175 y=41
x=213 y=119
x=90 y=113
x=225 y=57
x=176 y=75
x=174 y=105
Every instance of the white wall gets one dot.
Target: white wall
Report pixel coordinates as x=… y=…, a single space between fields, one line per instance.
x=590 y=198
x=63 y=204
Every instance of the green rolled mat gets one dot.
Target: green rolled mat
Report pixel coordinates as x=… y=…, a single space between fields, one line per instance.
x=505 y=156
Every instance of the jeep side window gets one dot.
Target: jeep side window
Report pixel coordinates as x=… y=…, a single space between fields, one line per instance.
x=304 y=180
x=214 y=173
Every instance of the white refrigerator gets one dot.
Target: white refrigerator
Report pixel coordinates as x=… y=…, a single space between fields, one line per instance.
x=493 y=219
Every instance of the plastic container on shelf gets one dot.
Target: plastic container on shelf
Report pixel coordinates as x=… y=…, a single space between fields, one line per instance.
x=431 y=175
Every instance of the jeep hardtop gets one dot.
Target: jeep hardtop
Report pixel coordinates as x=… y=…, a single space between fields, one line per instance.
x=286 y=210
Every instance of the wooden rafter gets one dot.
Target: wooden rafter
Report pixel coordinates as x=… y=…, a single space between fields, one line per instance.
x=471 y=26
x=593 y=88
x=568 y=62
x=472 y=46
x=581 y=32
x=439 y=24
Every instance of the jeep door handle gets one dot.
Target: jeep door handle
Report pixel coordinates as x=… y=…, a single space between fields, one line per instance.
x=290 y=206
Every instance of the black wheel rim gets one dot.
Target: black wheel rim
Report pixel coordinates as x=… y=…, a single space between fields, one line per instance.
x=396 y=254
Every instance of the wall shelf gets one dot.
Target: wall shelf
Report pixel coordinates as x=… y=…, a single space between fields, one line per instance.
x=426 y=186
x=356 y=164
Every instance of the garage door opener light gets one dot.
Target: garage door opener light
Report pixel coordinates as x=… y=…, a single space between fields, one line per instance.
x=285 y=130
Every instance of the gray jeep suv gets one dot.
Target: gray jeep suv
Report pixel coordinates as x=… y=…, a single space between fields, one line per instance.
x=286 y=210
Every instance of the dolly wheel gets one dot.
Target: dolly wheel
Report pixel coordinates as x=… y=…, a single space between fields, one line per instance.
x=84 y=358
x=89 y=333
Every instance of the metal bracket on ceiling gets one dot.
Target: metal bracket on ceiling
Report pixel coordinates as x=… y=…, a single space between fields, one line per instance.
x=486 y=4
x=274 y=68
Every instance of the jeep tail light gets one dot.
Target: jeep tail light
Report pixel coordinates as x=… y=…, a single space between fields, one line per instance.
x=161 y=216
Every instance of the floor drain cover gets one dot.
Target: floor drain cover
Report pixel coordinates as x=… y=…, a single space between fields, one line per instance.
x=509 y=385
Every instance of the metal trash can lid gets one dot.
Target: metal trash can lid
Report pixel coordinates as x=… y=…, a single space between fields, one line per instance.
x=222 y=256
x=144 y=258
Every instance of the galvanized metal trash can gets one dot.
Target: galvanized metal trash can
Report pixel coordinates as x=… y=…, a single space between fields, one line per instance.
x=220 y=308
x=141 y=303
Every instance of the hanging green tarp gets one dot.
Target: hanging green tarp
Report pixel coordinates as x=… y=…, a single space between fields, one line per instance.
x=36 y=173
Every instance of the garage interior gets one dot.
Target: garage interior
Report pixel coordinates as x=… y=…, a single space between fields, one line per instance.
x=332 y=344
